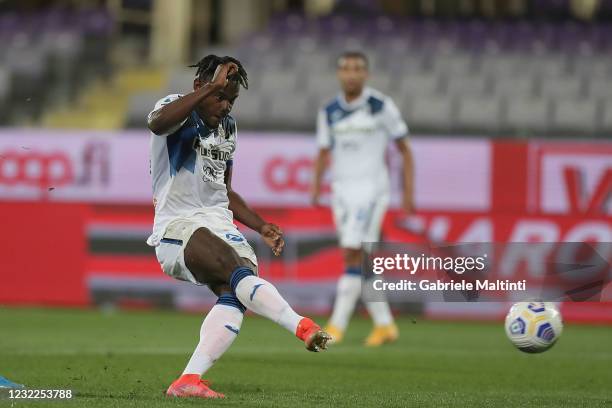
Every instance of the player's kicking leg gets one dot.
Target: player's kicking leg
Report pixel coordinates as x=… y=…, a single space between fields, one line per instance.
x=215 y=263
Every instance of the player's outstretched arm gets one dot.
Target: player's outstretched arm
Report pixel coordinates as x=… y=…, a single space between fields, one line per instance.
x=407 y=175
x=319 y=169
x=271 y=233
x=172 y=114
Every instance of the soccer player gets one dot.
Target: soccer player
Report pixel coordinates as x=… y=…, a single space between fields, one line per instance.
x=354 y=130
x=192 y=150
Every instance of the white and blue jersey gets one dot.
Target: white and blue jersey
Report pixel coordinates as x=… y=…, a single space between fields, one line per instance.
x=358 y=134
x=188 y=166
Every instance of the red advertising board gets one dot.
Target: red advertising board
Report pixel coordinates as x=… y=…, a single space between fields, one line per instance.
x=64 y=196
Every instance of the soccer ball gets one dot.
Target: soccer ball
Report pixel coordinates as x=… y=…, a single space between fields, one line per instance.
x=533 y=327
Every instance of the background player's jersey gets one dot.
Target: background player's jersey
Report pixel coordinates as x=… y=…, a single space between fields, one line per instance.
x=188 y=166
x=358 y=134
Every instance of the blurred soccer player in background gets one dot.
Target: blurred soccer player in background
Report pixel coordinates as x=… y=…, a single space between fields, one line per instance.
x=192 y=149
x=354 y=130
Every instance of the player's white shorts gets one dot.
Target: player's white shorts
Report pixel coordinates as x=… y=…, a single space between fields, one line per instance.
x=358 y=218
x=170 y=251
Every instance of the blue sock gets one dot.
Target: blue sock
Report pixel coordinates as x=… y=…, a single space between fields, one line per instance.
x=239 y=274
x=229 y=299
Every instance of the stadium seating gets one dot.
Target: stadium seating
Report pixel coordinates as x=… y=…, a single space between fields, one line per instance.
x=431 y=113
x=606 y=118
x=476 y=77
x=46 y=55
x=472 y=76
x=479 y=113
x=527 y=115
x=574 y=115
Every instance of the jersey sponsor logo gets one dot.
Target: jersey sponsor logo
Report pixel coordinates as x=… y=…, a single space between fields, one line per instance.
x=219 y=153
x=352 y=130
x=214 y=154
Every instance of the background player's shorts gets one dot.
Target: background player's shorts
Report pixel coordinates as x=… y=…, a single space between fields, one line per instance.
x=170 y=251
x=358 y=219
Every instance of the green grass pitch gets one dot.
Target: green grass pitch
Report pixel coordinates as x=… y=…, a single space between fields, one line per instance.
x=127 y=359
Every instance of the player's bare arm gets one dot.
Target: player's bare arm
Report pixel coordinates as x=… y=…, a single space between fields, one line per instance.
x=408 y=174
x=175 y=112
x=320 y=165
x=271 y=233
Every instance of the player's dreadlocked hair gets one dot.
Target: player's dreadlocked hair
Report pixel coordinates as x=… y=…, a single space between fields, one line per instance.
x=206 y=69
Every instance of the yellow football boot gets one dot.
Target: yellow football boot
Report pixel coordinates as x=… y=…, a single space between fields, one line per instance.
x=381 y=335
